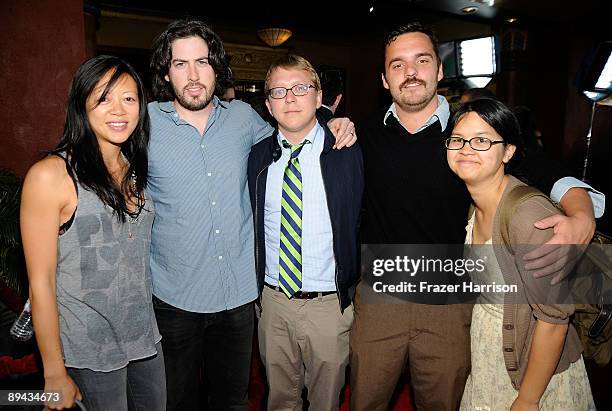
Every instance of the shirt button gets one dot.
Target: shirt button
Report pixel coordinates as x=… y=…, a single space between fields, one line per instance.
x=508 y=349
x=214 y=203
x=217 y=231
x=175 y=115
x=509 y=327
x=220 y=257
x=202 y=146
x=209 y=174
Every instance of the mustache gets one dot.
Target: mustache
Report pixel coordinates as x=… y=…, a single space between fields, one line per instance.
x=412 y=80
x=194 y=85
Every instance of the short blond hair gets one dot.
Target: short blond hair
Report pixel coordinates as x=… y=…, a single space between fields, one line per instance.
x=291 y=61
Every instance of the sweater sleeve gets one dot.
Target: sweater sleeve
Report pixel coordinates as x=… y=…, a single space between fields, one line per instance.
x=544 y=298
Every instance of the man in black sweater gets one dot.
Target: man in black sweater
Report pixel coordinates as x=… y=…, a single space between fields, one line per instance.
x=412 y=197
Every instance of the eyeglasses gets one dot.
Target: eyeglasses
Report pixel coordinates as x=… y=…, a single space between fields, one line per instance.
x=477 y=143
x=297 y=90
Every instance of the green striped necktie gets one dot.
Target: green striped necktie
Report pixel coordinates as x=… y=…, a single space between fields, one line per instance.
x=290 y=251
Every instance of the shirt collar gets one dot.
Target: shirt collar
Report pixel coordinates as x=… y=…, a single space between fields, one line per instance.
x=442 y=114
x=313 y=135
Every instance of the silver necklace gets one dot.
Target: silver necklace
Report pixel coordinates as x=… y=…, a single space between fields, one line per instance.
x=134 y=217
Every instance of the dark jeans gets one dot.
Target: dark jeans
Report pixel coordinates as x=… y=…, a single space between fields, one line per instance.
x=141 y=385
x=219 y=344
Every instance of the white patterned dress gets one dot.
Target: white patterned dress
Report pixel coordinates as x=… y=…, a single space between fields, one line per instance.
x=488 y=387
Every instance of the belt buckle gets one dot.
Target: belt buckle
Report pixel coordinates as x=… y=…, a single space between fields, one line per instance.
x=306 y=295
x=310 y=295
x=302 y=295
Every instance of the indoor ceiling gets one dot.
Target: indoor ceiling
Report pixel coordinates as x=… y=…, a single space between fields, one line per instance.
x=545 y=10
x=353 y=17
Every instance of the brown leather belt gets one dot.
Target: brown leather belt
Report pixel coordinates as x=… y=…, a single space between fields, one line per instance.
x=303 y=295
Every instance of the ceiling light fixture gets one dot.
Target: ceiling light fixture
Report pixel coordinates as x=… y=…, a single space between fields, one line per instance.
x=511 y=20
x=469 y=9
x=489 y=3
x=371 y=9
x=274 y=36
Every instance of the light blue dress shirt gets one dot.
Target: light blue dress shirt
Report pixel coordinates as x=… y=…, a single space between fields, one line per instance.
x=202 y=237
x=318 y=262
x=442 y=114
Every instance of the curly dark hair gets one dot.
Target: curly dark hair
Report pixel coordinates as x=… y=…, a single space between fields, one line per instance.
x=162 y=56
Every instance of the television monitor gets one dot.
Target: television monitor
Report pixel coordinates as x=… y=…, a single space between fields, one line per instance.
x=477 y=57
x=594 y=78
x=469 y=63
x=604 y=81
x=599 y=77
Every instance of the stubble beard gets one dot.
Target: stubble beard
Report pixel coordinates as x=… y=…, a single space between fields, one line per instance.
x=194 y=104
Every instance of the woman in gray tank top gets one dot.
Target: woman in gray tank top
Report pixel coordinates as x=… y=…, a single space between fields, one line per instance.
x=86 y=223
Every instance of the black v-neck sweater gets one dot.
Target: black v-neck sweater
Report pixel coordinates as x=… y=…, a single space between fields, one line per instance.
x=411 y=195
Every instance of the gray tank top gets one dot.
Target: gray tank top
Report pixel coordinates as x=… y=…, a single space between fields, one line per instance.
x=104 y=286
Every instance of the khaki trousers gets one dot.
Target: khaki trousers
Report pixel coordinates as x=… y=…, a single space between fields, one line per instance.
x=433 y=339
x=303 y=343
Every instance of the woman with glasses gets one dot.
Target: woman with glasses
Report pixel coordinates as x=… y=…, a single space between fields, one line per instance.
x=525 y=356
x=86 y=228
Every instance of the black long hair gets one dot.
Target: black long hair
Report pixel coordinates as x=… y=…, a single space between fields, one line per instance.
x=504 y=122
x=80 y=145
x=162 y=56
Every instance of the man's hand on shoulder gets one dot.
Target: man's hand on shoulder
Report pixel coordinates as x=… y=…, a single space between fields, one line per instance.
x=575 y=228
x=344 y=130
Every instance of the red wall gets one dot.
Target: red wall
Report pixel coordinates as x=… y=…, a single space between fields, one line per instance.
x=42 y=42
